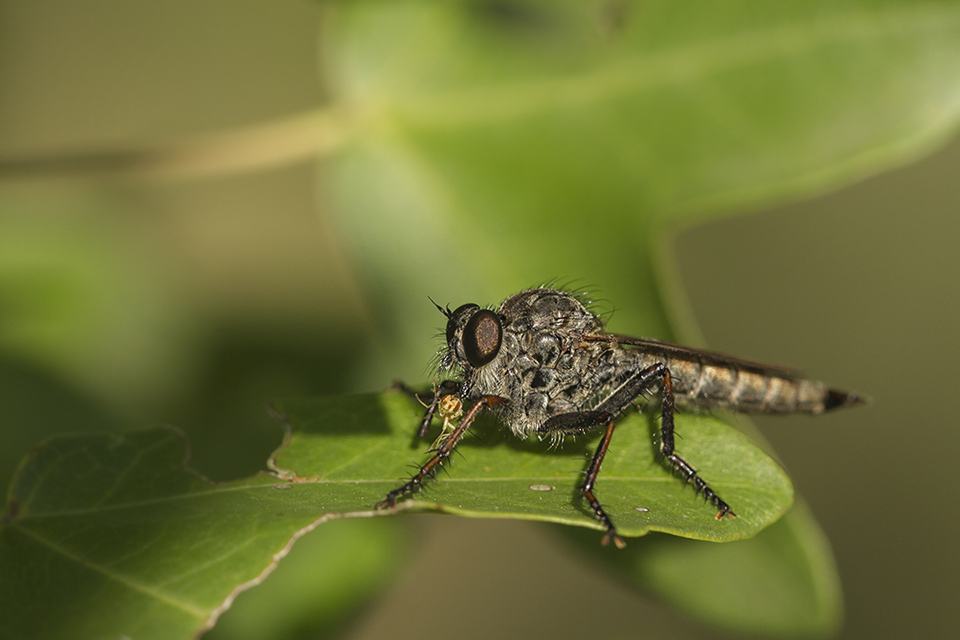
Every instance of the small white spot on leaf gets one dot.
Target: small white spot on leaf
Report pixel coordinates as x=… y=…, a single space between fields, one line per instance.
x=540 y=487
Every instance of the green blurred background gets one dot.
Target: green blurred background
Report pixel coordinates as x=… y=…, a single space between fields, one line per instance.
x=129 y=303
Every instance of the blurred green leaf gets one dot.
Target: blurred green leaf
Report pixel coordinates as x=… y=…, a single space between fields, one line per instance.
x=82 y=295
x=501 y=144
x=780 y=583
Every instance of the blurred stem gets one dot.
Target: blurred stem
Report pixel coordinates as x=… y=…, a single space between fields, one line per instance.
x=290 y=140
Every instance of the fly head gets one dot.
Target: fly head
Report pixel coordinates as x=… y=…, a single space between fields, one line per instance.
x=474 y=336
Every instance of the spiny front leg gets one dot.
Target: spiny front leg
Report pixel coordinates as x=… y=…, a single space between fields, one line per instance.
x=685 y=469
x=441 y=453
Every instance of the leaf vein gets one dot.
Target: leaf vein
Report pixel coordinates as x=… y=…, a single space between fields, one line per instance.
x=117 y=577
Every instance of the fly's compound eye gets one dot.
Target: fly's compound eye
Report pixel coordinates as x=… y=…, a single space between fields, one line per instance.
x=482 y=337
x=459 y=318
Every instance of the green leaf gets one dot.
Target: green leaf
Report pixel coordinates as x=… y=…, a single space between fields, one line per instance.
x=356 y=449
x=110 y=536
x=119 y=538
x=329 y=575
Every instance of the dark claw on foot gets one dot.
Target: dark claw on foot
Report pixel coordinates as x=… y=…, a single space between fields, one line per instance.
x=725 y=511
x=615 y=537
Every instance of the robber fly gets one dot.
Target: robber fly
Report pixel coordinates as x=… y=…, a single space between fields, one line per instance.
x=544 y=365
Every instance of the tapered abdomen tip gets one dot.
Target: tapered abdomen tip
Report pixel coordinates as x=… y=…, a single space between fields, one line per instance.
x=836 y=399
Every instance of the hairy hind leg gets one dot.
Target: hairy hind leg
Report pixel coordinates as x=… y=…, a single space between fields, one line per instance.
x=576 y=423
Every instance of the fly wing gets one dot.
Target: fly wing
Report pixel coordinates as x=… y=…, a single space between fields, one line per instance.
x=670 y=350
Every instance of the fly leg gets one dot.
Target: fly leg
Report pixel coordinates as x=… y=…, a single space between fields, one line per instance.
x=630 y=391
x=441 y=453
x=612 y=405
x=684 y=468
x=577 y=423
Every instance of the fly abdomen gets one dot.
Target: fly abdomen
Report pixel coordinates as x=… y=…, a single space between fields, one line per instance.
x=743 y=390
